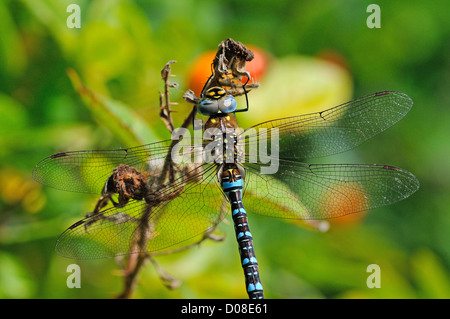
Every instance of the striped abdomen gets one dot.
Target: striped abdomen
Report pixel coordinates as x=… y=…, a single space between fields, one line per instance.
x=232 y=186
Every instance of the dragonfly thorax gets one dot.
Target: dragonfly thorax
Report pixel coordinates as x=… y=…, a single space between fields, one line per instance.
x=221 y=134
x=223 y=122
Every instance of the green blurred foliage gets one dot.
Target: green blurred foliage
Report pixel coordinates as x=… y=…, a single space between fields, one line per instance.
x=118 y=53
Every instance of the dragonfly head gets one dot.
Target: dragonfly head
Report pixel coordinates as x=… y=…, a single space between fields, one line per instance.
x=216 y=101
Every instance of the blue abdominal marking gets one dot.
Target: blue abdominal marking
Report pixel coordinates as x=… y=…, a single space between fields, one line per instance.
x=253 y=287
x=232 y=185
x=239 y=210
x=227 y=185
x=252 y=259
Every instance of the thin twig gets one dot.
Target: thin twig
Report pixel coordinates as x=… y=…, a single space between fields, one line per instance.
x=135 y=262
x=165 y=112
x=168 y=280
x=131 y=269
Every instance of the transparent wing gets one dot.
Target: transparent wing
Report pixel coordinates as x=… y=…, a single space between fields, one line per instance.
x=163 y=221
x=87 y=171
x=321 y=191
x=332 y=131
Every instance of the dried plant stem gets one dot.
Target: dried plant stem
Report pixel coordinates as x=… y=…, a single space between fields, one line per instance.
x=164 y=99
x=135 y=262
x=131 y=270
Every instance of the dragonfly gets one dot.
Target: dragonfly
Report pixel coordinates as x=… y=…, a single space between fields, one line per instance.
x=166 y=204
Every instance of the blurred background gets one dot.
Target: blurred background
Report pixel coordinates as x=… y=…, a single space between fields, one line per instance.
x=310 y=55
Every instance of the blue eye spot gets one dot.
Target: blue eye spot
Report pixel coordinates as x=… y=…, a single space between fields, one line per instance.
x=208 y=107
x=227 y=104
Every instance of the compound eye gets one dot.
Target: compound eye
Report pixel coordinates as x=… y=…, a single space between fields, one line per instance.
x=227 y=104
x=208 y=107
